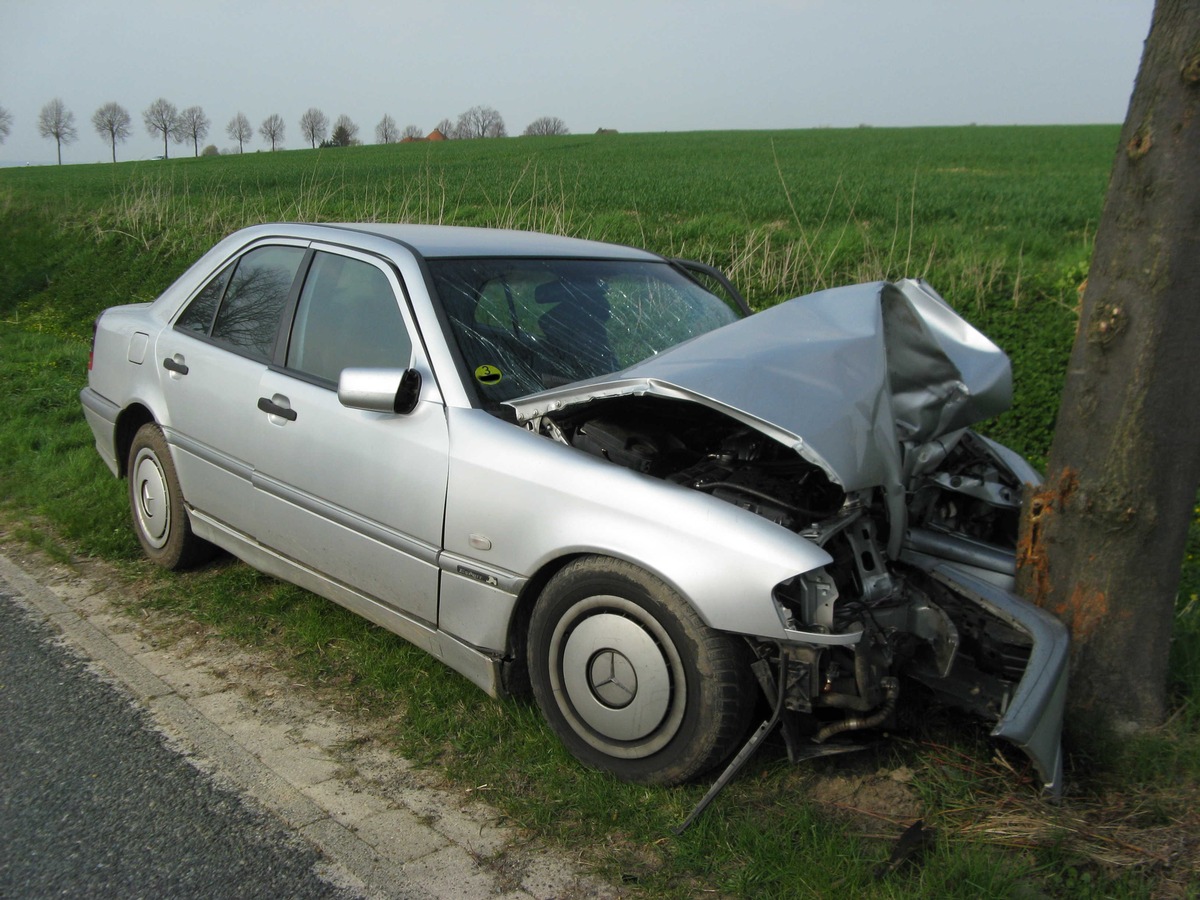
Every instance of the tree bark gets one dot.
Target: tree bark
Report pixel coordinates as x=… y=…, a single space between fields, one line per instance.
x=1103 y=539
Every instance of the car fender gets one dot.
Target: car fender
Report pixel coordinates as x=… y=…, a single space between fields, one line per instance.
x=530 y=500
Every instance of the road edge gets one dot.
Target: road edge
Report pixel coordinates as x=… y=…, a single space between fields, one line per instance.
x=407 y=842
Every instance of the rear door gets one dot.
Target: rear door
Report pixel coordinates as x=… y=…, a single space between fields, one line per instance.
x=212 y=362
x=358 y=496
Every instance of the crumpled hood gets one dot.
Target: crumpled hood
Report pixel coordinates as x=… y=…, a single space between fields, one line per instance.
x=849 y=377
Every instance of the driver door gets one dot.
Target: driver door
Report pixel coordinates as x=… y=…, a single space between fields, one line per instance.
x=358 y=496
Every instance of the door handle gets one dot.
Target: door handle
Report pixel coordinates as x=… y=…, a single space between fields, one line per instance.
x=269 y=406
x=175 y=365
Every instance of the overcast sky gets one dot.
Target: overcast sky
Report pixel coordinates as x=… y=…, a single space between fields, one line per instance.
x=633 y=65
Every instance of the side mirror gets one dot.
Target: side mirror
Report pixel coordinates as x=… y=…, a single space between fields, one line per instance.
x=380 y=390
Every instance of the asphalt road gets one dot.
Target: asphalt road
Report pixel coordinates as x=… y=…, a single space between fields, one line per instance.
x=94 y=803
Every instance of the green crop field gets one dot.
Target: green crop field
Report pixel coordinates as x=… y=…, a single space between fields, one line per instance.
x=1000 y=220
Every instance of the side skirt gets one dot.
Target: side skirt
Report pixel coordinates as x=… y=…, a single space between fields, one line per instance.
x=481 y=669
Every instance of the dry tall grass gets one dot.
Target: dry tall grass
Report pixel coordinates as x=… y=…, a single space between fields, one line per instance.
x=164 y=213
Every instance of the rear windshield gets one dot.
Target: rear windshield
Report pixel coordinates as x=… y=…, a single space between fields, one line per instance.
x=525 y=325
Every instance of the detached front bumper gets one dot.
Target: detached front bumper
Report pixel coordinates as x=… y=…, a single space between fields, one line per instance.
x=1034 y=716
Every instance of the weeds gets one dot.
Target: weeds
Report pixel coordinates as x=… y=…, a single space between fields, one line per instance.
x=163 y=214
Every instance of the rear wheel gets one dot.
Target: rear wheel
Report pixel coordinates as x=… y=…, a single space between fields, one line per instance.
x=156 y=501
x=631 y=679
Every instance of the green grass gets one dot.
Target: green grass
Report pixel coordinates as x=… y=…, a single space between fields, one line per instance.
x=975 y=206
x=998 y=219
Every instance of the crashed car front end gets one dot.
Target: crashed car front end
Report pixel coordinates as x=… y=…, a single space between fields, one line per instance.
x=844 y=418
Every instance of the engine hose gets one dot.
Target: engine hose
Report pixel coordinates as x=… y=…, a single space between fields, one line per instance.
x=891 y=690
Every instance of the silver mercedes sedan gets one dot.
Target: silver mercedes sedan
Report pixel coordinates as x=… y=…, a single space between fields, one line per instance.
x=587 y=470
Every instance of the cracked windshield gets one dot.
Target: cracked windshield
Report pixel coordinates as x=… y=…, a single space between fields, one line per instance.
x=526 y=325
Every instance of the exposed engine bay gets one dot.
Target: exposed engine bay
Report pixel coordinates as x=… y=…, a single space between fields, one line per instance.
x=864 y=622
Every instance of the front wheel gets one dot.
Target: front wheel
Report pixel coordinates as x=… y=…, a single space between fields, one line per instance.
x=156 y=501
x=631 y=679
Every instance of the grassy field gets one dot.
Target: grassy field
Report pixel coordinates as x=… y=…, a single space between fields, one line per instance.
x=1000 y=220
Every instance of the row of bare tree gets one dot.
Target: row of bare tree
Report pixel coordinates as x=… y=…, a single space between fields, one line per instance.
x=162 y=118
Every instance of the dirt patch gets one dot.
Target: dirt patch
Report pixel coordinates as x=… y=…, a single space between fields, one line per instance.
x=885 y=796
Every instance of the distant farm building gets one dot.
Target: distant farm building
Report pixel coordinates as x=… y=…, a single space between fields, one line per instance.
x=434 y=135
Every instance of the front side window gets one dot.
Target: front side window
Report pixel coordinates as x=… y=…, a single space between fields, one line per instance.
x=348 y=315
x=524 y=325
x=253 y=302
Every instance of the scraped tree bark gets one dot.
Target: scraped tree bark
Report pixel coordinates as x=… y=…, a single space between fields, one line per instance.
x=1103 y=539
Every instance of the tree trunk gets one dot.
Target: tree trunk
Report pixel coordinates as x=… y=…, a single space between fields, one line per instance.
x=1103 y=539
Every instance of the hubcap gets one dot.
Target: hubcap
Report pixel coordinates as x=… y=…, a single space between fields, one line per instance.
x=617 y=677
x=152 y=502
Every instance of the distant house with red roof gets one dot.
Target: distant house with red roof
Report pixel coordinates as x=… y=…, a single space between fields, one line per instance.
x=434 y=135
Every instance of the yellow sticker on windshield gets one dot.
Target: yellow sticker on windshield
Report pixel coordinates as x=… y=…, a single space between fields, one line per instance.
x=488 y=375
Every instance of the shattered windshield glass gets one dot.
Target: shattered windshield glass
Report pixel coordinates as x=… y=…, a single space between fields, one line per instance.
x=525 y=325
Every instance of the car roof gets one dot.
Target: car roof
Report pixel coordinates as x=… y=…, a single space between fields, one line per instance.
x=445 y=241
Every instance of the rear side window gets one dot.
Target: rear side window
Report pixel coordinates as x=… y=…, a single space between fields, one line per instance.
x=248 y=318
x=199 y=314
x=348 y=315
x=248 y=298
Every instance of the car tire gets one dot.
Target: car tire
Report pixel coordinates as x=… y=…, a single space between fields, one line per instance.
x=156 y=502
x=631 y=679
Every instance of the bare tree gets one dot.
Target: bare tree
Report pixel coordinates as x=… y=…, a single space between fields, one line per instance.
x=58 y=122
x=239 y=129
x=112 y=121
x=314 y=126
x=546 y=125
x=161 y=117
x=412 y=132
x=5 y=123
x=345 y=132
x=385 y=131
x=194 y=124
x=446 y=127
x=272 y=130
x=480 y=122
x=1102 y=539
